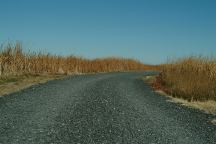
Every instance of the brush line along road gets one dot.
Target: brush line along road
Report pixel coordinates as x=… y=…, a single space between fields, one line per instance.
x=112 y=108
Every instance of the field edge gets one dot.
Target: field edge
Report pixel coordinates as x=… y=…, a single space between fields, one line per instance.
x=11 y=84
x=208 y=106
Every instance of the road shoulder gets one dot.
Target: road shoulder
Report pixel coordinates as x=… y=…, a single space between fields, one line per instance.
x=11 y=84
x=208 y=107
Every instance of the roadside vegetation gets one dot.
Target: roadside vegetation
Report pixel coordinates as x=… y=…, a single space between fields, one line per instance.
x=190 y=81
x=14 y=83
x=192 y=78
x=19 y=69
x=13 y=61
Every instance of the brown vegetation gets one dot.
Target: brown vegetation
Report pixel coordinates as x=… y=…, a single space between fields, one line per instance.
x=13 y=61
x=191 y=78
x=190 y=82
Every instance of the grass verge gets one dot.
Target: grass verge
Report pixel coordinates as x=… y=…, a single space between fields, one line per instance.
x=10 y=84
x=208 y=106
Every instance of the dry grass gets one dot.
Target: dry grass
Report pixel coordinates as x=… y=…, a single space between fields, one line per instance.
x=13 y=61
x=193 y=78
x=207 y=106
x=20 y=69
x=189 y=81
x=12 y=84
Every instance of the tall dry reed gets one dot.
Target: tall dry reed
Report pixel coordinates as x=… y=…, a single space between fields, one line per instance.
x=13 y=61
x=192 y=78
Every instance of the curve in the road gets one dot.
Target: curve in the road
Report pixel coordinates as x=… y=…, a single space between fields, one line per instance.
x=100 y=109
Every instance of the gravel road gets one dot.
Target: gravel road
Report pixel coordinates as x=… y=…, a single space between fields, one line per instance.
x=112 y=108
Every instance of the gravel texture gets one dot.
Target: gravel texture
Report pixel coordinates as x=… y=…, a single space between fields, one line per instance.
x=112 y=108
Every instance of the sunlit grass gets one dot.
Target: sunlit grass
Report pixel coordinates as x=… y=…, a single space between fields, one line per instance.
x=13 y=61
x=192 y=78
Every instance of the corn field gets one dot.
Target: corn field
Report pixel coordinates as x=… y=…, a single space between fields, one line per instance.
x=13 y=61
x=192 y=78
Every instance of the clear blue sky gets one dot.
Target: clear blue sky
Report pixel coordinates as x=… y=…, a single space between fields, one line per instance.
x=148 y=30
